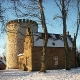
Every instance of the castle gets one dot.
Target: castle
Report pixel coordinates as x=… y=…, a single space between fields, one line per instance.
x=16 y=30
x=24 y=47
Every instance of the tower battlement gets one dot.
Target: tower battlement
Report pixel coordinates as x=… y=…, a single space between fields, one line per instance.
x=15 y=25
x=22 y=21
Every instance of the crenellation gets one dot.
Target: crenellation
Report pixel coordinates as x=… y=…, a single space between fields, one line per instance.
x=22 y=20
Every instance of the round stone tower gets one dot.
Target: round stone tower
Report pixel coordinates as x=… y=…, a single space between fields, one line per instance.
x=16 y=30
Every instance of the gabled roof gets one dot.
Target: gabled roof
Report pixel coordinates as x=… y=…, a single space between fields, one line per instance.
x=54 y=40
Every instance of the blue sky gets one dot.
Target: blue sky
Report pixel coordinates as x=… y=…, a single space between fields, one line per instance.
x=54 y=26
x=51 y=9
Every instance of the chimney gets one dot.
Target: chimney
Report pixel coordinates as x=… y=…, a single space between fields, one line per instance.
x=67 y=33
x=27 y=31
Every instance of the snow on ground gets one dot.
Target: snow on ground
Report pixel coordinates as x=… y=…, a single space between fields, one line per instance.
x=61 y=74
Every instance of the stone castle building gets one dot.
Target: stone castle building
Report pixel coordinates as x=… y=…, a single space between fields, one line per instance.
x=25 y=44
x=30 y=60
x=16 y=30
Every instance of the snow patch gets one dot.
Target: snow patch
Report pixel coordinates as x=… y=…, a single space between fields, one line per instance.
x=54 y=40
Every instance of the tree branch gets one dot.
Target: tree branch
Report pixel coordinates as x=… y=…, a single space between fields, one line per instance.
x=58 y=5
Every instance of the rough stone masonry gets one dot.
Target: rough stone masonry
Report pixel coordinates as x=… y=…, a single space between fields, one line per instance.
x=16 y=30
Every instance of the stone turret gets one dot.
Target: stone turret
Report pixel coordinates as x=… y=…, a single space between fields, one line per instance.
x=16 y=30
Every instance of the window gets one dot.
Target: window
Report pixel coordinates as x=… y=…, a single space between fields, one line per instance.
x=26 y=45
x=55 y=60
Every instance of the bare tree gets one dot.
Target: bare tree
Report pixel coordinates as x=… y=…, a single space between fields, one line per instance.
x=63 y=7
x=67 y=55
x=78 y=23
x=35 y=9
x=78 y=16
x=43 y=22
x=2 y=18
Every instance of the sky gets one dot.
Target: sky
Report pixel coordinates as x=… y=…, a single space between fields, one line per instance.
x=53 y=26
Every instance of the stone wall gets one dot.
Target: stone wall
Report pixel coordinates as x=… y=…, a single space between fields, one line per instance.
x=21 y=62
x=28 y=50
x=51 y=54
x=27 y=63
x=2 y=65
x=16 y=30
